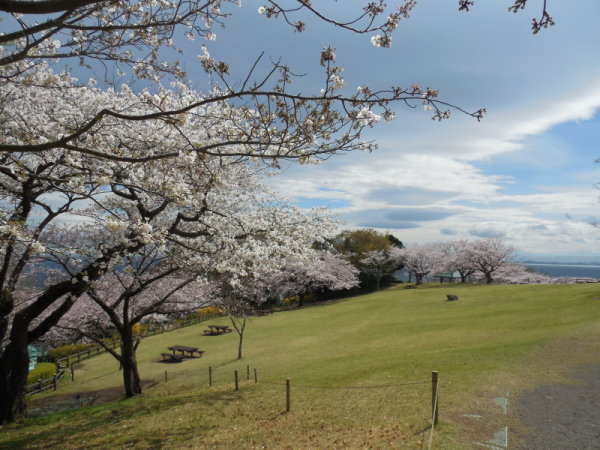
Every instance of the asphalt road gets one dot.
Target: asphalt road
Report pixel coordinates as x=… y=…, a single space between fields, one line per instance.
x=562 y=417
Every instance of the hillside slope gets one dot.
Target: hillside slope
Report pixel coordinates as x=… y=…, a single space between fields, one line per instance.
x=334 y=355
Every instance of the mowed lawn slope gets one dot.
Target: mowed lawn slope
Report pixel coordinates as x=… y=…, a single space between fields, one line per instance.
x=391 y=338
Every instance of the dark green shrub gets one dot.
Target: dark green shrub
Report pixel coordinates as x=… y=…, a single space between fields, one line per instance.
x=66 y=350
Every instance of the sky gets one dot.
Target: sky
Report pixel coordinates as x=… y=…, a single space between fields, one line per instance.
x=527 y=172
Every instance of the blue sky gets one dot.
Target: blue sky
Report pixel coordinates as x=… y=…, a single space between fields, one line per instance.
x=526 y=172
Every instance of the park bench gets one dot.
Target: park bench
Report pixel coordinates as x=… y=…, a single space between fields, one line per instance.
x=172 y=357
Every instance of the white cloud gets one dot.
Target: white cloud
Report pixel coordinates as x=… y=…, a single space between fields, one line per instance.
x=504 y=174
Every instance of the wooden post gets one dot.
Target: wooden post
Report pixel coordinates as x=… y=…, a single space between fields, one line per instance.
x=255 y=376
x=72 y=372
x=435 y=400
x=247 y=373
x=166 y=377
x=79 y=357
x=287 y=395
x=54 y=382
x=210 y=375
x=236 y=380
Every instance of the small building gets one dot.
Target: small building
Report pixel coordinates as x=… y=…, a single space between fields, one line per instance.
x=33 y=356
x=448 y=277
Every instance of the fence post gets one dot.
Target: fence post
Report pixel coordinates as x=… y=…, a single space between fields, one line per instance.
x=236 y=380
x=72 y=372
x=435 y=401
x=166 y=377
x=247 y=373
x=210 y=375
x=54 y=381
x=287 y=395
x=255 y=376
x=79 y=357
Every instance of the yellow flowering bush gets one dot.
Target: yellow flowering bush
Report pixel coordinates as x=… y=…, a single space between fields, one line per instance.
x=209 y=311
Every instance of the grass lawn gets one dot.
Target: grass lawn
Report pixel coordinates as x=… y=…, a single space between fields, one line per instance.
x=487 y=342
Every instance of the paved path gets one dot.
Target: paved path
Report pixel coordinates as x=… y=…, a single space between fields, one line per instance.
x=562 y=417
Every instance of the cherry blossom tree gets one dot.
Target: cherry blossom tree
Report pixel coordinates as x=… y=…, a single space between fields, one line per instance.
x=537 y=24
x=421 y=260
x=314 y=271
x=490 y=255
x=209 y=205
x=455 y=257
x=299 y=273
x=273 y=121
x=242 y=299
x=377 y=263
x=516 y=273
x=131 y=33
x=145 y=288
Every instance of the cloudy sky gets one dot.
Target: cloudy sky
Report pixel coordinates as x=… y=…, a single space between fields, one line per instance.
x=526 y=172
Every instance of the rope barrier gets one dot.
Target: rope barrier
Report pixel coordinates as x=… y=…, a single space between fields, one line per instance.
x=348 y=387
x=433 y=421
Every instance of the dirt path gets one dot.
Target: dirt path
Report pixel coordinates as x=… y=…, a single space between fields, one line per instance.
x=561 y=416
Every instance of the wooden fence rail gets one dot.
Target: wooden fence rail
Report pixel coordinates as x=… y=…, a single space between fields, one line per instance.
x=44 y=385
x=69 y=360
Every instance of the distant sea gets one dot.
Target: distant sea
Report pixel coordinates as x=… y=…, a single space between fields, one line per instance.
x=567 y=270
x=551 y=269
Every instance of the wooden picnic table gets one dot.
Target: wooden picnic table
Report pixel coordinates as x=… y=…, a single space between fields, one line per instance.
x=185 y=349
x=215 y=330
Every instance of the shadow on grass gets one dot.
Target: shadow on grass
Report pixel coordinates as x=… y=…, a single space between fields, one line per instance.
x=57 y=430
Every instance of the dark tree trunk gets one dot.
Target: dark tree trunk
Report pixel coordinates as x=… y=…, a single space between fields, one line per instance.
x=488 y=277
x=301 y=300
x=240 y=345
x=419 y=278
x=131 y=376
x=14 y=367
x=240 y=325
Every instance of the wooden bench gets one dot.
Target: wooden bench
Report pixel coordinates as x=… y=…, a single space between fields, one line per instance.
x=172 y=357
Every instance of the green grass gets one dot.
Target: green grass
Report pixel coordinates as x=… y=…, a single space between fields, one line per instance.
x=42 y=371
x=487 y=338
